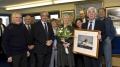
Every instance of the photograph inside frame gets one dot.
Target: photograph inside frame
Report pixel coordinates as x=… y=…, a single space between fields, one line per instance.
x=85 y=42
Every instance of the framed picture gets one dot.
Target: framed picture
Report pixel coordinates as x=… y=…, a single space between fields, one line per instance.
x=113 y=12
x=69 y=12
x=85 y=42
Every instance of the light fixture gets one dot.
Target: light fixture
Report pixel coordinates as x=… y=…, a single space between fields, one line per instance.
x=65 y=1
x=28 y=5
x=38 y=3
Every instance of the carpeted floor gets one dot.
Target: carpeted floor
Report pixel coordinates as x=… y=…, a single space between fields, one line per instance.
x=3 y=62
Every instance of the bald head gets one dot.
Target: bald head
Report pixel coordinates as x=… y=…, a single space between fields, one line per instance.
x=27 y=19
x=82 y=14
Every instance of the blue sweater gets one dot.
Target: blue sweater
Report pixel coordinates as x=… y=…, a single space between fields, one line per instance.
x=14 y=41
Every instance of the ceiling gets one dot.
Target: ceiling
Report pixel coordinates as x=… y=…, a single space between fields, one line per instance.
x=4 y=3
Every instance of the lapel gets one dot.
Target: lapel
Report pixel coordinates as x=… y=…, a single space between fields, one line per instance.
x=25 y=27
x=95 y=26
x=85 y=25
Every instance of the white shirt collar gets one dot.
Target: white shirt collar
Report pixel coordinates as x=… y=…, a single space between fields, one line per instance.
x=27 y=26
x=84 y=20
x=43 y=22
x=93 y=24
x=93 y=21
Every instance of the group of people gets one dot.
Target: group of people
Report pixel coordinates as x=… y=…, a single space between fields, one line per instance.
x=38 y=41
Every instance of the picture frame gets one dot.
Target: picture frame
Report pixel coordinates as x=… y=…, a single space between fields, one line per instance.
x=69 y=12
x=113 y=12
x=85 y=42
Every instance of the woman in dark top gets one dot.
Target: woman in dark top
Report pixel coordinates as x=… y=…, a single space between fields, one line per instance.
x=79 y=62
x=65 y=59
x=78 y=23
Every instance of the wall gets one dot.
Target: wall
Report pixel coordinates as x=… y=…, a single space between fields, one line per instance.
x=108 y=3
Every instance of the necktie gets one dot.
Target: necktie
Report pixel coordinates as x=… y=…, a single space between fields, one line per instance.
x=45 y=27
x=90 y=26
x=1 y=30
x=29 y=29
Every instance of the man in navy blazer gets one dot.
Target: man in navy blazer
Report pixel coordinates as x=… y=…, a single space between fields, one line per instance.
x=110 y=34
x=94 y=24
x=44 y=36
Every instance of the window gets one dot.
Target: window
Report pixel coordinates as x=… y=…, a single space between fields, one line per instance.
x=37 y=18
x=5 y=20
x=55 y=16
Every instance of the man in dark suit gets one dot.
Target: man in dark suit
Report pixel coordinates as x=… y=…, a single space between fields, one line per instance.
x=30 y=39
x=83 y=15
x=44 y=37
x=93 y=24
x=2 y=27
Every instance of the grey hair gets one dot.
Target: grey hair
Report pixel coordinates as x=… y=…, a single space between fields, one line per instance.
x=44 y=12
x=91 y=8
x=13 y=15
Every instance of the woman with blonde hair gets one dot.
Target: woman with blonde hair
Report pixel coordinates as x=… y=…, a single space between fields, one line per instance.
x=65 y=59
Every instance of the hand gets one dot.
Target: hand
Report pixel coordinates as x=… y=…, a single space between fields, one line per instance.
x=1 y=52
x=28 y=53
x=66 y=45
x=55 y=47
x=31 y=47
x=63 y=40
x=49 y=42
x=74 y=52
x=99 y=36
x=9 y=59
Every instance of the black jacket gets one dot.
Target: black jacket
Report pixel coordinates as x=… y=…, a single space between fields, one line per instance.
x=29 y=35
x=13 y=41
x=41 y=38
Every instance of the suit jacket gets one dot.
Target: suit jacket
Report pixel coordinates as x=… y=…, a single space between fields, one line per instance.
x=3 y=27
x=41 y=38
x=1 y=37
x=29 y=35
x=98 y=26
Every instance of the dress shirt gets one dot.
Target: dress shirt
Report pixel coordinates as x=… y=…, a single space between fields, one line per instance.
x=84 y=20
x=43 y=23
x=27 y=26
x=93 y=24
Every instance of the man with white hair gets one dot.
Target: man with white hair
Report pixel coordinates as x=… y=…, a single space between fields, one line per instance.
x=14 y=42
x=94 y=24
